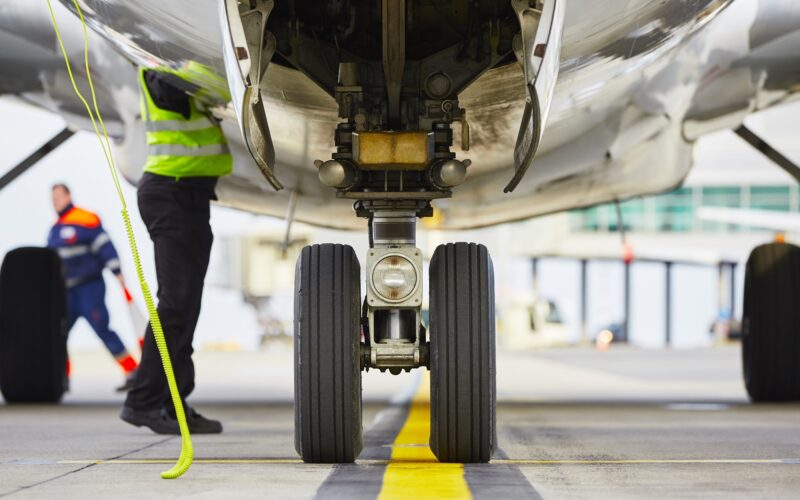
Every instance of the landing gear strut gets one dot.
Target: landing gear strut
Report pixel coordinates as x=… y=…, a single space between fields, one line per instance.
x=771 y=318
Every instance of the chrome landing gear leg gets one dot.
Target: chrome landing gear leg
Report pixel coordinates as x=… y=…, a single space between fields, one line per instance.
x=395 y=336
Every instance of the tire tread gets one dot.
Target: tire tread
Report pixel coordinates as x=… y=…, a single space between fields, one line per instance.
x=462 y=354
x=327 y=371
x=33 y=336
x=771 y=323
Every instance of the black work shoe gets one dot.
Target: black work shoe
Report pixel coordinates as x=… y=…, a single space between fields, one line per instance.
x=129 y=380
x=156 y=420
x=199 y=424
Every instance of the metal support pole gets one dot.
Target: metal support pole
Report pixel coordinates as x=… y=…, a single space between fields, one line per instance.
x=732 y=289
x=667 y=303
x=584 y=301
x=720 y=287
x=777 y=158
x=34 y=157
x=287 y=234
x=627 y=304
x=393 y=17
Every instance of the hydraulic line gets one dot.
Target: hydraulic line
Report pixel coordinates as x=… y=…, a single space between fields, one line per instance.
x=187 y=450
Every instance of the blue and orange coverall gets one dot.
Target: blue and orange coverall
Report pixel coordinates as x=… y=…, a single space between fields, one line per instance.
x=86 y=249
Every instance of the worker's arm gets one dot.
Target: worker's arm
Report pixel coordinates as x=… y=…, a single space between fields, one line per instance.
x=51 y=240
x=165 y=95
x=104 y=249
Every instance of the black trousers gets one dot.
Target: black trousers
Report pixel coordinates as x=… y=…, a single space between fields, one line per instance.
x=176 y=213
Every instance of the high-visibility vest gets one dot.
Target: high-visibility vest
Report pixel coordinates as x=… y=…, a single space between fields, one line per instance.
x=182 y=147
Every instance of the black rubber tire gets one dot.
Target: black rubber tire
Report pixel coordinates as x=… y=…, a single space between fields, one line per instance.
x=327 y=373
x=771 y=323
x=462 y=353
x=33 y=319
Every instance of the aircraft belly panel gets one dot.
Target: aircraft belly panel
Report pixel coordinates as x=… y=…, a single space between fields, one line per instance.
x=178 y=34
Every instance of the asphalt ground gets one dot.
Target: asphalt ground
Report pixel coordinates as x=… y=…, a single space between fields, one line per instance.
x=571 y=423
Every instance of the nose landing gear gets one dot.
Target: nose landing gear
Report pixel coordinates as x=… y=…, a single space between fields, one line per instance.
x=335 y=338
x=393 y=157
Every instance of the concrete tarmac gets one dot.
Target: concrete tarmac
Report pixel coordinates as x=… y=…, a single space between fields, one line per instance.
x=572 y=423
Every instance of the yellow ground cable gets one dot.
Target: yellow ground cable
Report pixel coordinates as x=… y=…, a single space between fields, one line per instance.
x=187 y=450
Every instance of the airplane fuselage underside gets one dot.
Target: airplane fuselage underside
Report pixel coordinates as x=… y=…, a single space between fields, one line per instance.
x=620 y=68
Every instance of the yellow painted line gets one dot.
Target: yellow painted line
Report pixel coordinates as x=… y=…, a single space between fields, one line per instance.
x=427 y=462
x=145 y=461
x=413 y=471
x=648 y=461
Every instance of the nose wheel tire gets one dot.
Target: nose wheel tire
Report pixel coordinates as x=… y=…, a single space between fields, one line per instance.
x=327 y=376
x=33 y=318
x=462 y=350
x=771 y=323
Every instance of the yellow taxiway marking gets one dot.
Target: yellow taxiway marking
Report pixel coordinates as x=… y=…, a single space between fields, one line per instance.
x=145 y=461
x=645 y=461
x=413 y=471
x=427 y=462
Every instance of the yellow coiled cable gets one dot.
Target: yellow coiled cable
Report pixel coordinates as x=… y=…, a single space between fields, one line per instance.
x=187 y=450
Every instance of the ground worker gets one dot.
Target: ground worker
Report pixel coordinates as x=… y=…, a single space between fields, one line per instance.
x=86 y=249
x=186 y=153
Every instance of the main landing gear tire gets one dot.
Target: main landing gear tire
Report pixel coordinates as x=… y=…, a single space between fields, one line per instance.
x=462 y=354
x=771 y=323
x=33 y=320
x=327 y=376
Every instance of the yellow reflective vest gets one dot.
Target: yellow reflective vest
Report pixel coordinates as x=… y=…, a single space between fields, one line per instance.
x=182 y=147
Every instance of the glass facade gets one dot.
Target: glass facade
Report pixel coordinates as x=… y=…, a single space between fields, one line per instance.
x=675 y=211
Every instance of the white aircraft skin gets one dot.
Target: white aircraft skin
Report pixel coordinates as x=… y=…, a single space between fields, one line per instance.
x=639 y=81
